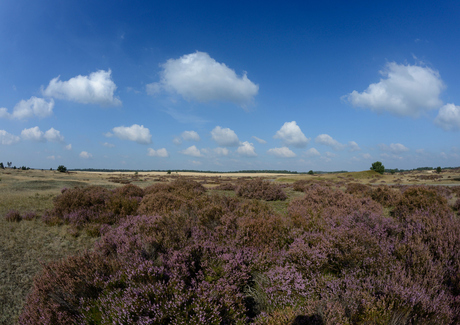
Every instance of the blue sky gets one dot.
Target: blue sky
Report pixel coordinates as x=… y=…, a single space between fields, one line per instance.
x=224 y=86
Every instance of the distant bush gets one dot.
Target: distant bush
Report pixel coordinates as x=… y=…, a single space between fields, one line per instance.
x=13 y=216
x=62 y=169
x=378 y=167
x=261 y=190
x=226 y=187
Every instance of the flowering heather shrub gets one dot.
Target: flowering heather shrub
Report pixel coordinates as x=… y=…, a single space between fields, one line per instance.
x=13 y=216
x=300 y=185
x=420 y=198
x=359 y=190
x=226 y=187
x=92 y=197
x=261 y=190
x=333 y=259
x=385 y=195
x=183 y=187
x=30 y=215
x=161 y=203
x=319 y=201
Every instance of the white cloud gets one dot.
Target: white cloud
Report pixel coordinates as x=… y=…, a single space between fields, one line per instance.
x=51 y=157
x=53 y=135
x=367 y=156
x=283 y=152
x=177 y=141
x=221 y=151
x=190 y=136
x=225 y=137
x=34 y=134
x=353 y=146
x=8 y=138
x=246 y=149
x=28 y=108
x=291 y=134
x=330 y=154
x=85 y=155
x=192 y=151
x=157 y=153
x=97 y=88
x=312 y=152
x=407 y=90
x=108 y=145
x=199 y=77
x=449 y=117
x=327 y=140
x=395 y=148
x=135 y=132
x=261 y=141
x=68 y=147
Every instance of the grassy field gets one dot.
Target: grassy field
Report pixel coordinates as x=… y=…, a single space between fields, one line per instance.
x=25 y=246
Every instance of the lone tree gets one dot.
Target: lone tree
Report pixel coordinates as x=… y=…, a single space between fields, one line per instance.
x=9 y=163
x=61 y=168
x=438 y=170
x=1 y=165
x=378 y=167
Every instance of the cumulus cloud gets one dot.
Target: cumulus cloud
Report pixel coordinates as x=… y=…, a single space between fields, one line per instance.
x=327 y=140
x=190 y=136
x=283 y=152
x=135 y=132
x=199 y=77
x=261 y=141
x=246 y=149
x=405 y=90
x=353 y=146
x=291 y=135
x=312 y=152
x=97 y=88
x=33 y=134
x=225 y=137
x=53 y=135
x=395 y=148
x=192 y=151
x=8 y=138
x=85 y=155
x=29 y=108
x=221 y=151
x=448 y=117
x=157 y=153
x=68 y=147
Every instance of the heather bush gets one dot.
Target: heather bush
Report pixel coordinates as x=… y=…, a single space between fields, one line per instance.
x=261 y=190
x=31 y=215
x=420 y=198
x=226 y=187
x=320 y=201
x=194 y=258
x=385 y=195
x=359 y=190
x=456 y=205
x=300 y=185
x=13 y=216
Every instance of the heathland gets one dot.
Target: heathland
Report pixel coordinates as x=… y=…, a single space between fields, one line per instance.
x=195 y=248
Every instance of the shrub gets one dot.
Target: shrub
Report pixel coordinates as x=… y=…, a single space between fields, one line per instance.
x=359 y=190
x=385 y=196
x=260 y=189
x=13 y=216
x=62 y=169
x=420 y=198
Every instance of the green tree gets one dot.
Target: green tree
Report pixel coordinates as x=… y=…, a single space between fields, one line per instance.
x=438 y=170
x=61 y=168
x=310 y=172
x=378 y=167
x=1 y=165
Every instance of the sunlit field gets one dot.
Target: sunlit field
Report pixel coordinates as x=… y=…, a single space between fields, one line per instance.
x=195 y=248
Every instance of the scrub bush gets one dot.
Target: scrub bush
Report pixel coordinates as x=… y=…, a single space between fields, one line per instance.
x=13 y=216
x=261 y=190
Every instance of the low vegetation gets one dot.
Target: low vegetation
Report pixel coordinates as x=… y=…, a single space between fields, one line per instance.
x=250 y=251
